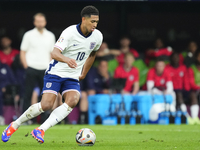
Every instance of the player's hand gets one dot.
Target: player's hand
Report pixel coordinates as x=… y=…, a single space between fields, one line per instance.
x=81 y=77
x=71 y=63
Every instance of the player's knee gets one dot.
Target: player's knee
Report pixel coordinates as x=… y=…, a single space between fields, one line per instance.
x=72 y=102
x=47 y=105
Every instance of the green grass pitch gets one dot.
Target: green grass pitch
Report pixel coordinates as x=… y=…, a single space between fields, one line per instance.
x=120 y=137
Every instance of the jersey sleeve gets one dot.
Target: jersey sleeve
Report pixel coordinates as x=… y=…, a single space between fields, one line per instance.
x=63 y=40
x=25 y=43
x=150 y=75
x=99 y=42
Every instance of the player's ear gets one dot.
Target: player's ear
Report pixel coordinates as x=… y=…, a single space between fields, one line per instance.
x=83 y=19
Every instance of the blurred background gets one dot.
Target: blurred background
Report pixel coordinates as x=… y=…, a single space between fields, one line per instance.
x=175 y=22
x=147 y=29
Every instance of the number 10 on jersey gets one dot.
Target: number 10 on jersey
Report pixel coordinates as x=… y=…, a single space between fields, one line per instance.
x=80 y=56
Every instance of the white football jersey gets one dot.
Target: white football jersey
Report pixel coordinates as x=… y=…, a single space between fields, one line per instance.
x=73 y=44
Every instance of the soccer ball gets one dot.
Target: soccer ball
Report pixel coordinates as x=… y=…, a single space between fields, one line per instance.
x=85 y=137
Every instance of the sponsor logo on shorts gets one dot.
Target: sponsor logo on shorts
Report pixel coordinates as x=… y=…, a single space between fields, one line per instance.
x=48 y=84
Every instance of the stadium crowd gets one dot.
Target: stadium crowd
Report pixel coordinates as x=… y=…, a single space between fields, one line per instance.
x=160 y=70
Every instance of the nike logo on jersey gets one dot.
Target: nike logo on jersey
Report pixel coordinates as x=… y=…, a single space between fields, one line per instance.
x=75 y=45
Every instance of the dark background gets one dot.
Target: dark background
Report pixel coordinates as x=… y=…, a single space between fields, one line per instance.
x=176 y=22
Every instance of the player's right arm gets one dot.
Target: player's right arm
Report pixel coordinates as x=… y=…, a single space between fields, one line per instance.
x=24 y=48
x=56 y=54
x=23 y=59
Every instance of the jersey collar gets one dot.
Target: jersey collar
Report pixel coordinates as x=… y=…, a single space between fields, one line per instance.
x=79 y=30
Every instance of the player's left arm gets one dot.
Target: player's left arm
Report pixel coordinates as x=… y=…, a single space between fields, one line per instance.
x=136 y=87
x=136 y=84
x=88 y=65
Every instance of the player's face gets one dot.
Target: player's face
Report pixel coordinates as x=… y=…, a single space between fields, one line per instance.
x=192 y=47
x=175 y=59
x=125 y=42
x=159 y=43
x=129 y=60
x=91 y=23
x=5 y=42
x=160 y=66
x=40 y=22
x=103 y=67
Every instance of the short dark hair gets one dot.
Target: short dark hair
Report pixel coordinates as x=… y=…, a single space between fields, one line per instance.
x=89 y=10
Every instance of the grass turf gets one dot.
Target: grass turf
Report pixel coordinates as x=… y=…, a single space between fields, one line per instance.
x=120 y=137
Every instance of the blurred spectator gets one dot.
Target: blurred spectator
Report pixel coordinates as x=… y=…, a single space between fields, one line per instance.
x=105 y=53
x=97 y=81
x=130 y=73
x=125 y=48
x=159 y=82
x=7 y=53
x=189 y=57
x=7 y=80
x=159 y=50
x=178 y=76
x=19 y=73
x=35 y=55
x=194 y=79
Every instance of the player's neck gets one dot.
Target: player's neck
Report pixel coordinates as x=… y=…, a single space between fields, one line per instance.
x=40 y=30
x=125 y=49
x=175 y=65
x=7 y=50
x=84 y=31
x=159 y=73
x=127 y=68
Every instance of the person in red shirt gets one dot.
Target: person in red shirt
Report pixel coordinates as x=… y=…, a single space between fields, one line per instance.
x=130 y=73
x=159 y=82
x=125 y=48
x=179 y=79
x=7 y=53
x=159 y=50
x=194 y=81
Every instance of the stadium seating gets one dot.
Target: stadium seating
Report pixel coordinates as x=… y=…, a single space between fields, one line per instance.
x=102 y=105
